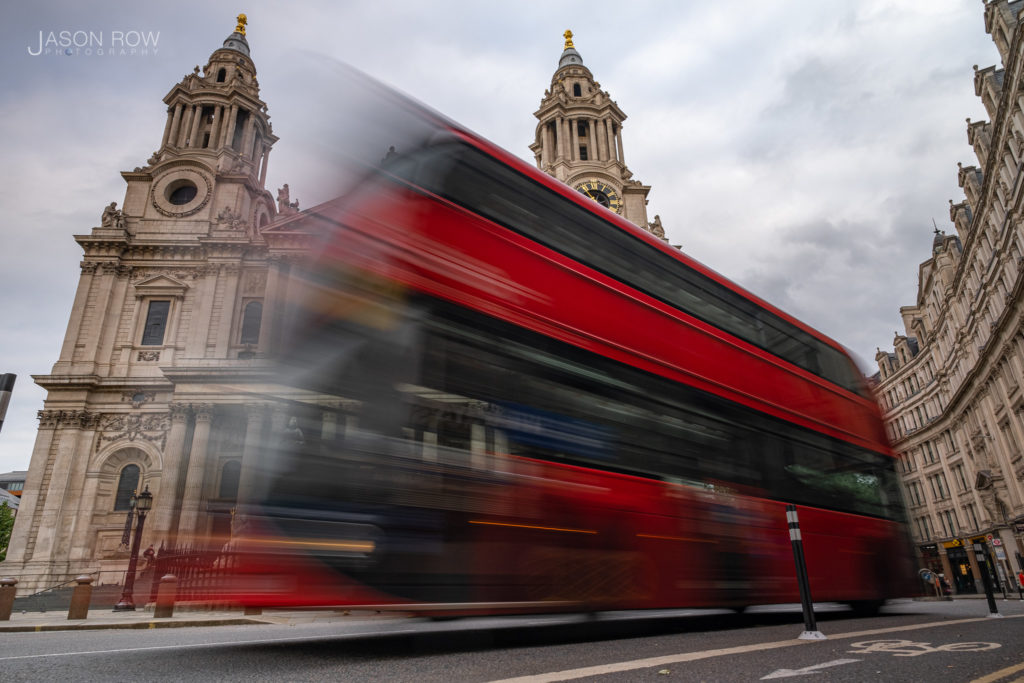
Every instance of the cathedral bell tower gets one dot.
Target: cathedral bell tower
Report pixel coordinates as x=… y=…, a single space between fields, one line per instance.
x=211 y=166
x=579 y=140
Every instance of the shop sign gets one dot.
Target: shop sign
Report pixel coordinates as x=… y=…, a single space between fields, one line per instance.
x=1000 y=554
x=953 y=544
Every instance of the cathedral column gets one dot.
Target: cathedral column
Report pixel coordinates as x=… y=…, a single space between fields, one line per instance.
x=73 y=333
x=247 y=136
x=167 y=127
x=559 y=139
x=70 y=428
x=232 y=273
x=32 y=499
x=172 y=135
x=197 y=120
x=74 y=538
x=574 y=143
x=185 y=125
x=618 y=141
x=218 y=117
x=251 y=461
x=592 y=139
x=606 y=139
x=199 y=327
x=110 y=321
x=229 y=131
x=196 y=467
x=91 y=335
x=263 y=170
x=166 y=507
x=549 y=142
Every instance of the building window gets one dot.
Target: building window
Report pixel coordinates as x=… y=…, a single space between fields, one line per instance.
x=156 y=323
x=973 y=517
x=221 y=75
x=127 y=485
x=950 y=520
x=229 y=477
x=576 y=90
x=583 y=152
x=252 y=316
x=961 y=481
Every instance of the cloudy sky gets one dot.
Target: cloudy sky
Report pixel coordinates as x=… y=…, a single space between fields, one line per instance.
x=800 y=147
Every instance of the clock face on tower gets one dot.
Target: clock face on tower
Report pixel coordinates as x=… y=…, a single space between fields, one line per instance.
x=602 y=193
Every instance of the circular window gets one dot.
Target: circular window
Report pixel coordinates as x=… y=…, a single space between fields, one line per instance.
x=181 y=192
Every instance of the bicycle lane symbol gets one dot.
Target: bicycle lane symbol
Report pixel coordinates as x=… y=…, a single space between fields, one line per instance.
x=908 y=648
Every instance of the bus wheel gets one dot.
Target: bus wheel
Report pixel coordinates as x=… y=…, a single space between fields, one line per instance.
x=866 y=608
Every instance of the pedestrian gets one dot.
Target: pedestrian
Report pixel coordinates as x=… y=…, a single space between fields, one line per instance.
x=149 y=554
x=1020 y=584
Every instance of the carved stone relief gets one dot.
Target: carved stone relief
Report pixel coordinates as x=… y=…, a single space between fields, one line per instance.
x=152 y=428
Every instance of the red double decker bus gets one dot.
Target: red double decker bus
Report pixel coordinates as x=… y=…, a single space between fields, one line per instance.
x=548 y=408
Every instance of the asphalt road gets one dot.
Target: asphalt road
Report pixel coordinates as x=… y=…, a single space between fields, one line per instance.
x=911 y=641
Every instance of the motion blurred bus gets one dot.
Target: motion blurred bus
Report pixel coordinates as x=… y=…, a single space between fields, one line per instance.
x=537 y=406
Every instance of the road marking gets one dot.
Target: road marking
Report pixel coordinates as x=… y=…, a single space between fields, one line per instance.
x=650 y=662
x=336 y=636
x=908 y=648
x=807 y=670
x=1002 y=673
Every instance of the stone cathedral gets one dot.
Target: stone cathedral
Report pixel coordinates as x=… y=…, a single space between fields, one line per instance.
x=178 y=309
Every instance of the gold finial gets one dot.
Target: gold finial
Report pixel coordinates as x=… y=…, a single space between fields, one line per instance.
x=568 y=40
x=241 y=24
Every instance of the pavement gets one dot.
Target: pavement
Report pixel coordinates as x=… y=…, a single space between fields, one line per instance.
x=144 y=619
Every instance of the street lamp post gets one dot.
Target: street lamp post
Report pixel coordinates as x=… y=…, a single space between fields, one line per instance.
x=143 y=504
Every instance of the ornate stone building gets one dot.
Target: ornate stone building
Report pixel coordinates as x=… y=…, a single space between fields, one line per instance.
x=951 y=387
x=162 y=355
x=163 y=379
x=579 y=141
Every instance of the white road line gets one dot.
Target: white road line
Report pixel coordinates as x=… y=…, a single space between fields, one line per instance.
x=651 y=662
x=195 y=645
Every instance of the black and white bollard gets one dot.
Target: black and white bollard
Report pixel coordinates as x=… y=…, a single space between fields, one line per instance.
x=811 y=631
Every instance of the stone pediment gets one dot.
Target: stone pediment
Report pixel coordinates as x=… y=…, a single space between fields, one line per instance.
x=307 y=222
x=161 y=285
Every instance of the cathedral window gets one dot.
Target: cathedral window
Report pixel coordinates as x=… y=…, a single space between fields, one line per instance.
x=222 y=74
x=252 y=316
x=229 y=477
x=127 y=485
x=181 y=192
x=576 y=90
x=583 y=152
x=156 y=323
